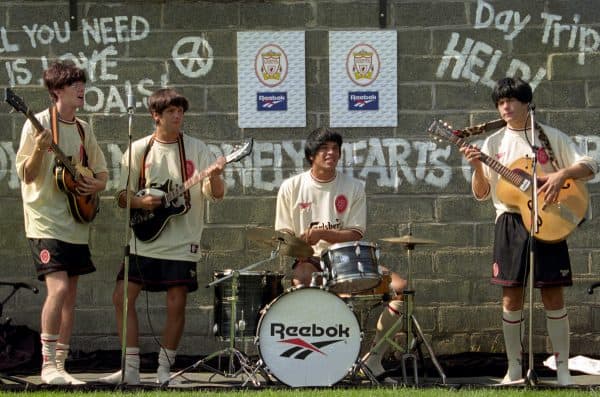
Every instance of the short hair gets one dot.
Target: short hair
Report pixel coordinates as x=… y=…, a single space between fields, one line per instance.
x=61 y=74
x=165 y=97
x=510 y=87
x=318 y=138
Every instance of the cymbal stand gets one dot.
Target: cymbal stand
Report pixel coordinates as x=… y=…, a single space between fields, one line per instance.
x=233 y=354
x=414 y=333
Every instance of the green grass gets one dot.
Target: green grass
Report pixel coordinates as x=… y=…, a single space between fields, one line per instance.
x=375 y=392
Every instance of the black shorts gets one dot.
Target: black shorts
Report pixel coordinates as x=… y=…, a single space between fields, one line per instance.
x=160 y=274
x=511 y=256
x=51 y=255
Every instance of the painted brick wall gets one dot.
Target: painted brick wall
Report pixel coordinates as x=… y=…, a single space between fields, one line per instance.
x=449 y=54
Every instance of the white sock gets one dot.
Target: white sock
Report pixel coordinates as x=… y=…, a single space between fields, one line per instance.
x=386 y=320
x=62 y=352
x=50 y=374
x=132 y=369
x=513 y=329
x=557 y=323
x=166 y=357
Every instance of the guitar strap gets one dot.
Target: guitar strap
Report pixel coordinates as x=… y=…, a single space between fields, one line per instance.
x=546 y=144
x=499 y=123
x=55 y=134
x=182 y=163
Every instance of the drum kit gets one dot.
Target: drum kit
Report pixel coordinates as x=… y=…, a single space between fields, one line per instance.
x=307 y=336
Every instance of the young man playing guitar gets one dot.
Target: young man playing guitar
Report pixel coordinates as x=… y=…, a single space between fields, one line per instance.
x=560 y=160
x=168 y=261
x=58 y=241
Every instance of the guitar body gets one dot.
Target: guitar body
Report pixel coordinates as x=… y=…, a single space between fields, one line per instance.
x=555 y=221
x=82 y=207
x=147 y=225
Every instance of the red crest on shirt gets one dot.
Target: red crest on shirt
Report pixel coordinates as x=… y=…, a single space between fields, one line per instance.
x=189 y=168
x=542 y=156
x=44 y=256
x=341 y=203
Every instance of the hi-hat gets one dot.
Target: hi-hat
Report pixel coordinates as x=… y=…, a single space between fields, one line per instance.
x=408 y=239
x=288 y=245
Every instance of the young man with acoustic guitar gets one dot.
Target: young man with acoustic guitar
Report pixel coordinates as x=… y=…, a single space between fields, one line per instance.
x=57 y=233
x=560 y=162
x=166 y=260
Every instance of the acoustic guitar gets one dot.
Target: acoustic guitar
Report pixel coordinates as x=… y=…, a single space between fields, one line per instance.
x=148 y=224
x=555 y=220
x=66 y=171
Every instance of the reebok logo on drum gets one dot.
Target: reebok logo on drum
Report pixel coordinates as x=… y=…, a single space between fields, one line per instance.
x=304 y=349
x=312 y=330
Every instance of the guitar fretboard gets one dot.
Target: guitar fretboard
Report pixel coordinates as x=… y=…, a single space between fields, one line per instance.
x=512 y=176
x=58 y=153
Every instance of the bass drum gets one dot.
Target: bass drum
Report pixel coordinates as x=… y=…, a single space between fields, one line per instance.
x=308 y=337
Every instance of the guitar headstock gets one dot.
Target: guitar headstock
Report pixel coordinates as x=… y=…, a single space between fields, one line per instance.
x=15 y=101
x=443 y=130
x=240 y=151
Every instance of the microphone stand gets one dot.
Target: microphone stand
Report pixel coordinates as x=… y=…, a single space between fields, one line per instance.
x=130 y=112
x=531 y=377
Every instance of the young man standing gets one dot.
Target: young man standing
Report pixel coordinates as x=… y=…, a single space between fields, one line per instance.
x=167 y=157
x=58 y=241
x=559 y=159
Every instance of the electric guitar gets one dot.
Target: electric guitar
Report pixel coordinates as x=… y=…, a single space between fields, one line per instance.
x=66 y=171
x=148 y=224
x=555 y=220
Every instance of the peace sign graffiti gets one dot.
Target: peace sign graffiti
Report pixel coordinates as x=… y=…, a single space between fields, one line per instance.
x=193 y=56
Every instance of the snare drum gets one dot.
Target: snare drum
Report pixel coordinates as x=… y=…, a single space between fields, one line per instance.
x=351 y=267
x=308 y=337
x=255 y=290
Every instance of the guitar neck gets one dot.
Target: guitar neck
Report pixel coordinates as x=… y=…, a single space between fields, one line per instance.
x=513 y=177
x=179 y=190
x=58 y=153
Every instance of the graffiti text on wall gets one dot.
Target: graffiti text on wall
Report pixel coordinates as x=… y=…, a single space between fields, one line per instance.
x=477 y=61
x=390 y=162
x=191 y=55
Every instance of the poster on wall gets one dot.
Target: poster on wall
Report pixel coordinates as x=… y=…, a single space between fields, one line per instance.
x=363 y=79
x=271 y=79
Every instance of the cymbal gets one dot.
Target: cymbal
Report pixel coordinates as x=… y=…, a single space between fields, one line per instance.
x=408 y=239
x=288 y=245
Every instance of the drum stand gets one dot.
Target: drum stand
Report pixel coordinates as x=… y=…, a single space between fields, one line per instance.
x=414 y=333
x=234 y=355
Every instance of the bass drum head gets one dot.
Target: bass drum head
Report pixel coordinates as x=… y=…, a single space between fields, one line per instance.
x=308 y=337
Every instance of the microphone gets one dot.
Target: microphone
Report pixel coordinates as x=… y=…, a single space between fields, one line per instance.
x=21 y=285
x=130 y=103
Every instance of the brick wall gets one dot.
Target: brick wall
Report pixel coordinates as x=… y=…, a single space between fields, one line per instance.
x=449 y=53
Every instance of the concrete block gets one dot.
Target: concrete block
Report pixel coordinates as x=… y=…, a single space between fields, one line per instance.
x=438 y=14
x=241 y=211
x=364 y=14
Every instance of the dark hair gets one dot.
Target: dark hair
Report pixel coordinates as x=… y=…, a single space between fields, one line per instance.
x=61 y=74
x=165 y=97
x=509 y=87
x=318 y=138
